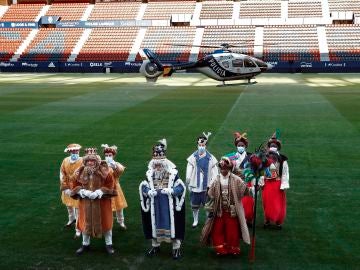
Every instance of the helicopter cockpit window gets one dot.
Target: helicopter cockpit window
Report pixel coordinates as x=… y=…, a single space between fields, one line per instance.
x=225 y=64
x=249 y=63
x=261 y=63
x=237 y=63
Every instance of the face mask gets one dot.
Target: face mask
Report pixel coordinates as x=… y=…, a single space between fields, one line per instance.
x=108 y=159
x=74 y=157
x=241 y=149
x=273 y=149
x=201 y=149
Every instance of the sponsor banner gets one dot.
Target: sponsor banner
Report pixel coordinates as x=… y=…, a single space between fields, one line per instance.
x=19 y=25
x=49 y=19
x=96 y=24
x=70 y=24
x=130 y=67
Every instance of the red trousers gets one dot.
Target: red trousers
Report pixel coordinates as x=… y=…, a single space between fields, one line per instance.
x=225 y=234
x=274 y=202
x=248 y=204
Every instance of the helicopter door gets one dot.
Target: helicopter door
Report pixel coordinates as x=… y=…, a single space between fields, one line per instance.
x=249 y=66
x=238 y=66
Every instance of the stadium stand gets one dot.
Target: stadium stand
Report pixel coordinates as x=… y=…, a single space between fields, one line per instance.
x=293 y=40
x=291 y=43
x=68 y=11
x=104 y=44
x=260 y=9
x=304 y=9
x=159 y=39
x=164 y=10
x=115 y=11
x=22 y=13
x=236 y=35
x=343 y=42
x=216 y=10
x=52 y=45
x=10 y=40
x=344 y=5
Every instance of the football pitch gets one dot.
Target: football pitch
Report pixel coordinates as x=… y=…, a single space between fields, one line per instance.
x=318 y=116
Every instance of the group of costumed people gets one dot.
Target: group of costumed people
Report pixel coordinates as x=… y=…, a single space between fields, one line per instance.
x=91 y=191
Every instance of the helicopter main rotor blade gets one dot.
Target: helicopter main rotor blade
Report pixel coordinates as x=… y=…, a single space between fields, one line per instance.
x=185 y=45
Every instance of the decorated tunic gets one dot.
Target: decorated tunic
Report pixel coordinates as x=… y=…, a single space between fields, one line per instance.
x=227 y=199
x=274 y=197
x=163 y=216
x=67 y=169
x=200 y=171
x=247 y=201
x=118 y=202
x=95 y=216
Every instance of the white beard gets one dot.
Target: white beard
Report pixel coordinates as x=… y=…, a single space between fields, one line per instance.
x=159 y=175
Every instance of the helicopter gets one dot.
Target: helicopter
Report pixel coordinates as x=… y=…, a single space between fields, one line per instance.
x=221 y=65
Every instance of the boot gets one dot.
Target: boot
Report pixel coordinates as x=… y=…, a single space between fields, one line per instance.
x=109 y=249
x=122 y=225
x=266 y=224
x=196 y=218
x=82 y=249
x=153 y=251
x=70 y=223
x=176 y=254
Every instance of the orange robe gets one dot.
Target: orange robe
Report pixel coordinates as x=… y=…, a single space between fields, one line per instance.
x=95 y=216
x=118 y=202
x=67 y=169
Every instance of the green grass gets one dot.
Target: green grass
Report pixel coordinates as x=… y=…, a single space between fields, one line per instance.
x=318 y=115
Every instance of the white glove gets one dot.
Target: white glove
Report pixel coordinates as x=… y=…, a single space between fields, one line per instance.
x=99 y=193
x=252 y=191
x=261 y=181
x=93 y=195
x=84 y=193
x=67 y=192
x=152 y=193
x=112 y=164
x=167 y=191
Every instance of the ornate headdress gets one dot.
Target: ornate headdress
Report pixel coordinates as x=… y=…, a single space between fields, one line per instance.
x=91 y=154
x=225 y=162
x=238 y=137
x=159 y=149
x=109 y=149
x=204 y=137
x=72 y=147
x=275 y=138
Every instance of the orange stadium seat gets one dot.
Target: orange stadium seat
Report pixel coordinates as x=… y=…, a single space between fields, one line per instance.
x=52 y=45
x=260 y=9
x=22 y=13
x=10 y=40
x=108 y=44
x=67 y=11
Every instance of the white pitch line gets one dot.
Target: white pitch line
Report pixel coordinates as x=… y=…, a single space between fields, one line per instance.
x=221 y=128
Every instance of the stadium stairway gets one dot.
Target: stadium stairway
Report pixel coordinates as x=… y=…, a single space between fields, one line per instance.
x=259 y=42
x=42 y=12
x=325 y=8
x=323 y=46
x=141 y=12
x=196 y=15
x=284 y=9
x=84 y=37
x=137 y=44
x=236 y=11
x=24 y=45
x=87 y=12
x=3 y=9
x=194 y=52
